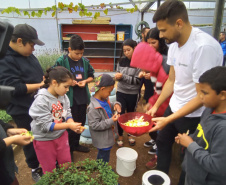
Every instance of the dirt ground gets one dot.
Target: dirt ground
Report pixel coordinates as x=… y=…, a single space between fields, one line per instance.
x=24 y=176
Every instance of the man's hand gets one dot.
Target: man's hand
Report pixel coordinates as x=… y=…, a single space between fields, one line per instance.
x=15 y=131
x=118 y=76
x=152 y=111
x=183 y=139
x=160 y=123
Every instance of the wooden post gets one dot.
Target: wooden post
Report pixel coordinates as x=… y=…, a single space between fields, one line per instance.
x=218 y=16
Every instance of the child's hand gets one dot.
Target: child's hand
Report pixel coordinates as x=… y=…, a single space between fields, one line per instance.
x=21 y=140
x=16 y=131
x=183 y=139
x=74 y=83
x=115 y=117
x=82 y=128
x=117 y=107
x=141 y=74
x=147 y=76
x=118 y=76
x=75 y=126
x=82 y=83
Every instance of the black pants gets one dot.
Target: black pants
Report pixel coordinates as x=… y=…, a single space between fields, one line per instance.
x=79 y=115
x=128 y=103
x=23 y=121
x=153 y=135
x=166 y=138
x=149 y=89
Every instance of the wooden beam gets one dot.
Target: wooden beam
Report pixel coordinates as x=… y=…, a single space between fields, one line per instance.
x=218 y=16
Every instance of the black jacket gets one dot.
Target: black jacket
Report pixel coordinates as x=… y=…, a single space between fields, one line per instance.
x=17 y=71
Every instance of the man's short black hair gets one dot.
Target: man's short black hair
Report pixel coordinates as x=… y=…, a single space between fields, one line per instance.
x=223 y=32
x=171 y=10
x=76 y=42
x=215 y=77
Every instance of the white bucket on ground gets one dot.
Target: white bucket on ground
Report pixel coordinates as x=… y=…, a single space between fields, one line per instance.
x=126 y=161
x=147 y=174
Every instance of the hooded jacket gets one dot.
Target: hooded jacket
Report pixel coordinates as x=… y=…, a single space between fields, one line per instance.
x=129 y=83
x=17 y=71
x=205 y=158
x=46 y=111
x=159 y=74
x=102 y=128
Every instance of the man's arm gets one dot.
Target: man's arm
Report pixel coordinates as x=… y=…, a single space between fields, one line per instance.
x=188 y=108
x=166 y=92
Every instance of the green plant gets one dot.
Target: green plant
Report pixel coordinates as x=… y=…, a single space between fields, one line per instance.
x=5 y=117
x=48 y=58
x=87 y=172
x=82 y=9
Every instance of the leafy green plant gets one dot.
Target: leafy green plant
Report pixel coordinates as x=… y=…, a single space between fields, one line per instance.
x=48 y=58
x=87 y=172
x=5 y=117
x=83 y=11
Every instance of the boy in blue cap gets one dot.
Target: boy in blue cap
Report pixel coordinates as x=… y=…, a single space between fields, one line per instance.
x=101 y=118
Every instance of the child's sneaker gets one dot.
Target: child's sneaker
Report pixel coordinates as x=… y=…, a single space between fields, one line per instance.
x=152 y=163
x=153 y=150
x=37 y=174
x=149 y=143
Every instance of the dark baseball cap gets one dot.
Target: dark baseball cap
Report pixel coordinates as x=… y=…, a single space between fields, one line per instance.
x=103 y=80
x=26 y=31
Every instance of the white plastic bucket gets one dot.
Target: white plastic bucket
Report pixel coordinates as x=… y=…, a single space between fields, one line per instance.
x=126 y=161
x=147 y=174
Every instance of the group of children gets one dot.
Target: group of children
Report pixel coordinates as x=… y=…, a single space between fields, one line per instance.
x=58 y=111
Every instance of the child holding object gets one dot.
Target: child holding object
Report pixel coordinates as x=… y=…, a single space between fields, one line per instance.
x=78 y=93
x=128 y=85
x=8 y=136
x=205 y=158
x=101 y=117
x=51 y=116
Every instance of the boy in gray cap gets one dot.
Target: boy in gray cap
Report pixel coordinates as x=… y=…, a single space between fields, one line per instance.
x=101 y=118
x=21 y=69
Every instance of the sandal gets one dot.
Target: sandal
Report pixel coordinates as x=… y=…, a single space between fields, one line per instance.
x=132 y=141
x=120 y=143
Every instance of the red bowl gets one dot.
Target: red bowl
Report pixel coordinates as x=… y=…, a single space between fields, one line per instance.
x=135 y=131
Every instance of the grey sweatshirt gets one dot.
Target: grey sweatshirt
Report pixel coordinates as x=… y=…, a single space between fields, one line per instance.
x=205 y=158
x=102 y=128
x=46 y=111
x=130 y=83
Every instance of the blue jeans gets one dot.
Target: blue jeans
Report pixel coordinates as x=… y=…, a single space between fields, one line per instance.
x=104 y=155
